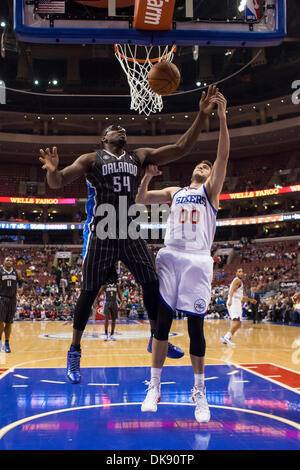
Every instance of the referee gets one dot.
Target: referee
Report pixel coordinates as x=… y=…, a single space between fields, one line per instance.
x=10 y=280
x=113 y=176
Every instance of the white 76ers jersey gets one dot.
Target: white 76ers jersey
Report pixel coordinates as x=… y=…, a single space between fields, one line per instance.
x=239 y=292
x=192 y=220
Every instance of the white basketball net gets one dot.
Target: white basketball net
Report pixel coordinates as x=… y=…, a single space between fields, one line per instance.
x=143 y=99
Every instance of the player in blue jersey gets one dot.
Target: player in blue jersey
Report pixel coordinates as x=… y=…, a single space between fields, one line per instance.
x=115 y=175
x=185 y=265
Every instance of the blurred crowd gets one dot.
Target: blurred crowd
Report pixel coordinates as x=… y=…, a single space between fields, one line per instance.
x=52 y=283
x=273 y=307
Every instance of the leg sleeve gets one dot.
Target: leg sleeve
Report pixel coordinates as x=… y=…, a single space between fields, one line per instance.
x=83 y=309
x=196 y=334
x=164 y=321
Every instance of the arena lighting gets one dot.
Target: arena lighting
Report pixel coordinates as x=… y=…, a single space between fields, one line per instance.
x=242 y=5
x=264 y=219
x=287 y=217
x=50 y=226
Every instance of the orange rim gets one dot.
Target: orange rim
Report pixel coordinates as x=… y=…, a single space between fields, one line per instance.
x=142 y=61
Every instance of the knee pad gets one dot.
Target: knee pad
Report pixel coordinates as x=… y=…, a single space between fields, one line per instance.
x=164 y=321
x=196 y=334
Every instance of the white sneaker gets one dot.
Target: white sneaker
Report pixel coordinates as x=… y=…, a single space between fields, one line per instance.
x=202 y=413
x=152 y=398
x=105 y=337
x=227 y=341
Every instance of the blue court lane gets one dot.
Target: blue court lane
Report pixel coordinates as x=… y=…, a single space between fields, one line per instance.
x=40 y=410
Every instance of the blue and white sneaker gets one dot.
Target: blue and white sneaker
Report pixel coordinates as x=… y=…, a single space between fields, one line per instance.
x=227 y=341
x=173 y=351
x=6 y=347
x=73 y=366
x=105 y=336
x=112 y=337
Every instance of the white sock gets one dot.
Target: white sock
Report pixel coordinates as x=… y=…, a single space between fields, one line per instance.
x=155 y=375
x=228 y=335
x=199 y=380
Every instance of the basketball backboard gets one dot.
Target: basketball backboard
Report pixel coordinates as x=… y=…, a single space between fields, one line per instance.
x=235 y=23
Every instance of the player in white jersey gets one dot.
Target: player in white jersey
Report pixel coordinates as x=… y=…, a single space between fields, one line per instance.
x=234 y=305
x=185 y=266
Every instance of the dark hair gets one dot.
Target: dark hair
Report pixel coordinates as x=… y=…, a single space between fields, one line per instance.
x=207 y=162
x=113 y=127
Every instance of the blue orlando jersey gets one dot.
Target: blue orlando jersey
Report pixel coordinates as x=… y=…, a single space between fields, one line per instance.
x=192 y=220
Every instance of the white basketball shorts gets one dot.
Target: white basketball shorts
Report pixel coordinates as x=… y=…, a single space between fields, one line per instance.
x=235 y=309
x=185 y=280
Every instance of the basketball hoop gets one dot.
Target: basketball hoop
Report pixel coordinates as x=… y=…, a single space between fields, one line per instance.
x=136 y=61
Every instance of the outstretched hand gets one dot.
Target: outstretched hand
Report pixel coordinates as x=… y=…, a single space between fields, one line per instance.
x=49 y=159
x=206 y=102
x=152 y=170
x=221 y=102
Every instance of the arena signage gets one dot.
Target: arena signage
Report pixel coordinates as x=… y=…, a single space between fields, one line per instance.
x=28 y=226
x=288 y=284
x=260 y=192
x=153 y=14
x=264 y=219
x=36 y=200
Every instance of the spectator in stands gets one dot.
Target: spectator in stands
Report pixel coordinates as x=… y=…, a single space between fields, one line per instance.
x=295 y=315
x=254 y=308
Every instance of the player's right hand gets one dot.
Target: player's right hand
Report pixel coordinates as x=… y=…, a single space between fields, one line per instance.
x=49 y=159
x=152 y=170
x=229 y=303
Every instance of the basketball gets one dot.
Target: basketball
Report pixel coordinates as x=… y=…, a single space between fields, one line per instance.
x=164 y=78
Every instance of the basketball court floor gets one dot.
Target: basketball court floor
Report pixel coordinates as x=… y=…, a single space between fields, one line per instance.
x=252 y=390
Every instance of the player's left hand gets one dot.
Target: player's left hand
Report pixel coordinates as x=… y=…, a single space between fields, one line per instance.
x=206 y=103
x=221 y=102
x=152 y=170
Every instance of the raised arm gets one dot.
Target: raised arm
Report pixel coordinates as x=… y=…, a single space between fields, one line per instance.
x=58 y=179
x=170 y=153
x=216 y=180
x=144 y=196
